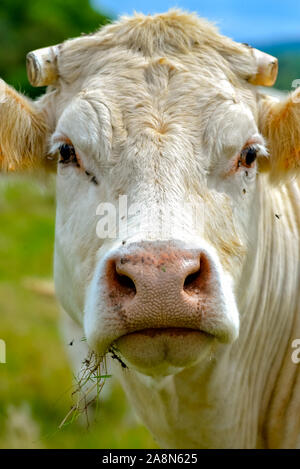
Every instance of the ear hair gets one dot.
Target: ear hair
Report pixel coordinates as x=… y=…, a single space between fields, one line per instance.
x=23 y=131
x=279 y=122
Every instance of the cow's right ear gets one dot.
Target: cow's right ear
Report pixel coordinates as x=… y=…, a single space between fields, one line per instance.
x=23 y=131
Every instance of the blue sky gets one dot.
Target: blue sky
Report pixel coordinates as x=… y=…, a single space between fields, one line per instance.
x=254 y=21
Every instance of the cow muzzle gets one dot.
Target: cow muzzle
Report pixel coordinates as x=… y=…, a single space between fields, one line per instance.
x=160 y=305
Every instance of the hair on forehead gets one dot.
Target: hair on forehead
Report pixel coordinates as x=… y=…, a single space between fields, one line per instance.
x=174 y=34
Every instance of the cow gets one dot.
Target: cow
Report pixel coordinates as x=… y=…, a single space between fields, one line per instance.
x=200 y=299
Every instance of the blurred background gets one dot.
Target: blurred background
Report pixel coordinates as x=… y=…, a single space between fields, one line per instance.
x=36 y=381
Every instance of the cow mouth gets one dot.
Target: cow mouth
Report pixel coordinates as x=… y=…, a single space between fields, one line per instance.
x=163 y=351
x=152 y=332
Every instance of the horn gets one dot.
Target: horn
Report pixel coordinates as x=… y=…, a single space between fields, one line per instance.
x=41 y=66
x=267 y=69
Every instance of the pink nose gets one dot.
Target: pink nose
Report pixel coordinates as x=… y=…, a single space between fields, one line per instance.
x=161 y=285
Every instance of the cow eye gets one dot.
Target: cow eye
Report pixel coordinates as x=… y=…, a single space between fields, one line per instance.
x=248 y=156
x=67 y=154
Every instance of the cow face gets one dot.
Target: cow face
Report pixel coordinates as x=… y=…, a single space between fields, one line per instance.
x=162 y=291
x=175 y=139
x=158 y=135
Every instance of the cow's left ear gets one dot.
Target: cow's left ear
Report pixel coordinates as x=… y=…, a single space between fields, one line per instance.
x=279 y=122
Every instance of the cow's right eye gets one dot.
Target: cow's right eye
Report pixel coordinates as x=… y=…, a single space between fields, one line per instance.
x=67 y=154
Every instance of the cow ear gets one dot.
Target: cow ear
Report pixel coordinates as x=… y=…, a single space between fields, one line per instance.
x=279 y=123
x=23 y=131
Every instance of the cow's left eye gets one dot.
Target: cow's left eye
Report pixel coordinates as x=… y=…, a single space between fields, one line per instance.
x=248 y=156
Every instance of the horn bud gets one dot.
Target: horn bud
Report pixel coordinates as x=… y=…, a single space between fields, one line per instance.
x=267 y=69
x=41 y=66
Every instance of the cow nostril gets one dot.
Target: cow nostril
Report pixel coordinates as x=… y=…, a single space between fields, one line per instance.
x=125 y=283
x=191 y=283
x=119 y=283
x=122 y=282
x=199 y=282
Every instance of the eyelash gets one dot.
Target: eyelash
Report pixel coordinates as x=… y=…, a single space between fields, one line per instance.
x=68 y=156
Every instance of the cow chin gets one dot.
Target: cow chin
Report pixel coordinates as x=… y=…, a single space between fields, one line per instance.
x=162 y=352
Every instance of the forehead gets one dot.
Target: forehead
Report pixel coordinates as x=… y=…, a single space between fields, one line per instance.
x=166 y=74
x=165 y=92
x=167 y=84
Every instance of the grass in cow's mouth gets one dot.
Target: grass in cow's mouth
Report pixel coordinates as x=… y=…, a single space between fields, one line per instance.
x=114 y=355
x=89 y=384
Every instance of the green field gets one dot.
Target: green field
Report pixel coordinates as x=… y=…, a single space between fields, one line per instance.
x=36 y=381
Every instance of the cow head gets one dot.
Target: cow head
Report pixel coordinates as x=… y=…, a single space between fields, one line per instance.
x=162 y=140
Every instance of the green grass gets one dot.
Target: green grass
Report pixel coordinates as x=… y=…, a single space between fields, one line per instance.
x=36 y=381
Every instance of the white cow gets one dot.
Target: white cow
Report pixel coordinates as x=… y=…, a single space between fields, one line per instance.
x=200 y=300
